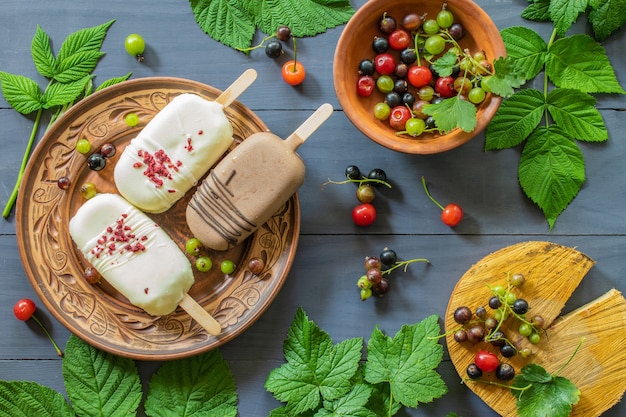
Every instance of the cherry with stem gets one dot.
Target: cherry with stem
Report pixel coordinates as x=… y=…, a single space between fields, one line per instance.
x=451 y=215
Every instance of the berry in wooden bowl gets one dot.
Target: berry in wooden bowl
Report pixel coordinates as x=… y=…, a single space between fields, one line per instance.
x=428 y=57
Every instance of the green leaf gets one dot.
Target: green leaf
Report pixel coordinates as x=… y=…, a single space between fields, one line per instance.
x=581 y=63
x=564 y=13
x=508 y=76
x=452 y=113
x=551 y=170
x=42 y=53
x=113 y=81
x=537 y=11
x=444 y=65
x=407 y=362
x=381 y=398
x=77 y=66
x=547 y=395
x=23 y=398
x=99 y=383
x=606 y=17
x=304 y=17
x=22 y=93
x=225 y=21
x=526 y=48
x=84 y=40
x=315 y=369
x=201 y=385
x=61 y=94
x=575 y=112
x=352 y=404
x=515 y=119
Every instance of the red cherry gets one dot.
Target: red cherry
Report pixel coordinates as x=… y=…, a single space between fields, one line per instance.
x=444 y=86
x=399 y=39
x=385 y=64
x=293 y=72
x=24 y=309
x=452 y=214
x=486 y=361
x=398 y=117
x=364 y=214
x=419 y=76
x=365 y=85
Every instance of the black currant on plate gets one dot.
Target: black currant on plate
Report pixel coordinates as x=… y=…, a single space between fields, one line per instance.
x=96 y=161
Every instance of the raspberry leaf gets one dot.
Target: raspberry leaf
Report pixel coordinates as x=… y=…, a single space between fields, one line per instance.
x=198 y=385
x=225 y=21
x=551 y=170
x=407 y=362
x=564 y=13
x=41 y=52
x=452 y=113
x=526 y=48
x=22 y=93
x=515 y=119
x=537 y=11
x=606 y=17
x=540 y=394
x=31 y=399
x=320 y=15
x=575 y=112
x=99 y=383
x=84 y=40
x=113 y=81
x=315 y=369
x=581 y=63
x=59 y=94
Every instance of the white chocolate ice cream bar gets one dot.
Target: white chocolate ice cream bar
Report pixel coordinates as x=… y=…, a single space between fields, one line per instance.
x=132 y=253
x=172 y=152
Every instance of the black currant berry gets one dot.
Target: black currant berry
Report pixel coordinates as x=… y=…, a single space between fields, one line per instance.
x=498 y=338
x=366 y=67
x=508 y=351
x=96 y=162
x=388 y=257
x=380 y=45
x=462 y=314
x=393 y=99
x=408 y=99
x=377 y=174
x=474 y=371
x=408 y=56
x=494 y=302
x=273 y=48
x=520 y=306
x=387 y=24
x=505 y=372
x=353 y=172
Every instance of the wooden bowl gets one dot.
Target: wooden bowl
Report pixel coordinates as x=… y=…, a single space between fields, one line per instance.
x=355 y=44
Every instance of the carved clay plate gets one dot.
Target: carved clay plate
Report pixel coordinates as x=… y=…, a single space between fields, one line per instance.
x=98 y=313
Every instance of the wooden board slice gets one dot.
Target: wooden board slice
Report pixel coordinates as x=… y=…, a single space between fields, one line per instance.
x=552 y=273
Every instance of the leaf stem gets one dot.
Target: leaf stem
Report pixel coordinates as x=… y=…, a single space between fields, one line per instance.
x=9 y=206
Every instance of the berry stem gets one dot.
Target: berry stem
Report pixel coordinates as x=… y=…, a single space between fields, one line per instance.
x=582 y=339
x=40 y=324
x=430 y=196
x=295 y=54
x=405 y=264
x=9 y=206
x=257 y=46
x=363 y=181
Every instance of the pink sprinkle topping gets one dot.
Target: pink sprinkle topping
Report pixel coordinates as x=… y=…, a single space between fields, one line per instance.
x=189 y=146
x=200 y=132
x=119 y=238
x=158 y=166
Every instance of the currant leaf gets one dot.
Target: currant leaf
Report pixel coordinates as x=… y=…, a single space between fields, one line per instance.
x=452 y=113
x=516 y=118
x=315 y=369
x=526 y=48
x=508 y=76
x=581 y=63
x=551 y=170
x=575 y=112
x=544 y=394
x=352 y=404
x=407 y=362
x=444 y=65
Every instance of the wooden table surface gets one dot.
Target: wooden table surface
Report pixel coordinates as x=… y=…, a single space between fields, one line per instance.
x=331 y=248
